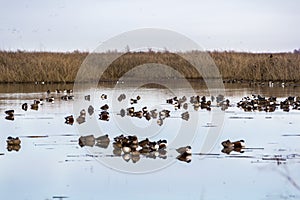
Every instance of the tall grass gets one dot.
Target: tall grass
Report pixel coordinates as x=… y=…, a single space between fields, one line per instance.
x=25 y=67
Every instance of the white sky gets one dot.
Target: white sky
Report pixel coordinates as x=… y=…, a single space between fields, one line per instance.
x=58 y=25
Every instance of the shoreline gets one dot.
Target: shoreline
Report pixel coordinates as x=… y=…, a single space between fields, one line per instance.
x=234 y=67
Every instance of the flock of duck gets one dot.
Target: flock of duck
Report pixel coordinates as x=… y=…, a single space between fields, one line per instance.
x=130 y=147
x=260 y=103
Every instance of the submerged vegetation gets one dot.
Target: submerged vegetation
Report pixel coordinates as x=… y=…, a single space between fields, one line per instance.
x=27 y=67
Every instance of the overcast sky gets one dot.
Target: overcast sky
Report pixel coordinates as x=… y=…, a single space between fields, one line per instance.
x=58 y=25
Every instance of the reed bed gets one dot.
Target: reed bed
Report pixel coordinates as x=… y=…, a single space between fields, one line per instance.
x=48 y=67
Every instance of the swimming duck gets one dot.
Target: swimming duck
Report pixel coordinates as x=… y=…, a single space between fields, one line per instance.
x=50 y=99
x=186 y=149
x=164 y=113
x=121 y=97
x=144 y=142
x=104 y=107
x=138 y=114
x=104 y=115
x=154 y=113
x=126 y=149
x=102 y=139
x=13 y=141
x=103 y=96
x=160 y=122
x=69 y=120
x=162 y=144
x=24 y=106
x=130 y=111
x=82 y=113
x=147 y=116
x=9 y=112
x=34 y=106
x=185 y=116
x=122 y=113
x=91 y=110
x=87 y=97
x=88 y=140
x=236 y=144
x=185 y=106
x=134 y=101
x=64 y=97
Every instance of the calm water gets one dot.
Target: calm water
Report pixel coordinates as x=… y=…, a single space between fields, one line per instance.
x=54 y=166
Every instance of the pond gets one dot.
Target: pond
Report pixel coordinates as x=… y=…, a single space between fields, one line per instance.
x=50 y=164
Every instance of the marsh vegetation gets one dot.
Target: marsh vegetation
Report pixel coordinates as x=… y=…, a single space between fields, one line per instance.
x=48 y=67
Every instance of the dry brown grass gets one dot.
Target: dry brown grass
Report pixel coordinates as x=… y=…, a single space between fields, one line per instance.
x=25 y=67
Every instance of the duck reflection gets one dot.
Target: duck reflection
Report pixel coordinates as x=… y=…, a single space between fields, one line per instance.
x=185 y=154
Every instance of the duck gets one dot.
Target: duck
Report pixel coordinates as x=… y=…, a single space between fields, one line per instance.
x=160 y=122
x=134 y=101
x=104 y=107
x=164 y=113
x=138 y=114
x=186 y=149
x=104 y=115
x=69 y=120
x=103 y=96
x=121 y=97
x=50 y=99
x=80 y=120
x=88 y=140
x=185 y=154
x=130 y=111
x=34 y=106
x=154 y=113
x=185 y=116
x=162 y=144
x=10 y=112
x=122 y=112
x=236 y=144
x=91 y=110
x=126 y=149
x=103 y=139
x=87 y=97
x=24 y=106
x=13 y=141
x=144 y=142
x=64 y=97
x=185 y=106
x=147 y=116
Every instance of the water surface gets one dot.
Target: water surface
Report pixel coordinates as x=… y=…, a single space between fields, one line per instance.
x=55 y=166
